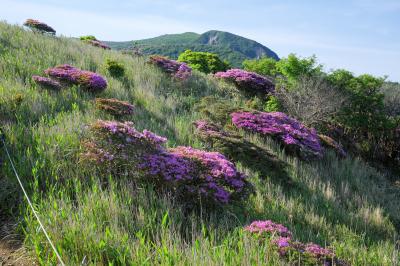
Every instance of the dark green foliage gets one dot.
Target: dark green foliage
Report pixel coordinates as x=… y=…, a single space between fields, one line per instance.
x=115 y=68
x=365 y=112
x=229 y=47
x=203 y=61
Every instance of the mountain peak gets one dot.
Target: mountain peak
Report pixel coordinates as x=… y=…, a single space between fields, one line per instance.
x=230 y=47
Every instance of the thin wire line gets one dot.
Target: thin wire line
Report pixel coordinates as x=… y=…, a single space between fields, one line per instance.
x=29 y=201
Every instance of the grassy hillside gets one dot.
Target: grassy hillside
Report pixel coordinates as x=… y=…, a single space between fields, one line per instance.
x=233 y=48
x=98 y=219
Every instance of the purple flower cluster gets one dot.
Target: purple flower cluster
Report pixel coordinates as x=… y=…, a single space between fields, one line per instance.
x=39 y=26
x=268 y=227
x=100 y=44
x=46 y=83
x=281 y=238
x=189 y=172
x=218 y=174
x=291 y=133
x=71 y=75
x=184 y=72
x=176 y=69
x=128 y=134
x=114 y=106
x=195 y=173
x=247 y=80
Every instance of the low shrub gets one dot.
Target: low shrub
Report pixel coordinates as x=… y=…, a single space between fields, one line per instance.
x=114 y=107
x=115 y=68
x=268 y=228
x=249 y=82
x=195 y=176
x=90 y=39
x=294 y=136
x=70 y=75
x=39 y=26
x=172 y=67
x=281 y=240
x=203 y=61
x=47 y=83
x=99 y=44
x=217 y=110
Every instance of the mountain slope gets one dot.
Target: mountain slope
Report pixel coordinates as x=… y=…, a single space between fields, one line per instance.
x=98 y=218
x=228 y=46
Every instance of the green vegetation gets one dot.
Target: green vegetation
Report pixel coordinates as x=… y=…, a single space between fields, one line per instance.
x=265 y=66
x=229 y=47
x=115 y=68
x=88 y=38
x=96 y=218
x=204 y=62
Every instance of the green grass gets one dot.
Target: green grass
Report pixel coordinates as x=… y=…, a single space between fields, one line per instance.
x=104 y=220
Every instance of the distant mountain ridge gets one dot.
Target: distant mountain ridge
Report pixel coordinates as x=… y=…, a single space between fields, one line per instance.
x=230 y=47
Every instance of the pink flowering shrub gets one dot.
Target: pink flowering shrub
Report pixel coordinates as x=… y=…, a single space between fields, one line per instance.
x=99 y=44
x=250 y=82
x=281 y=240
x=296 y=137
x=306 y=254
x=193 y=175
x=46 y=83
x=74 y=76
x=197 y=174
x=115 y=107
x=268 y=228
x=41 y=27
x=175 y=69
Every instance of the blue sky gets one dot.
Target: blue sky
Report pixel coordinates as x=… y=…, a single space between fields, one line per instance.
x=362 y=36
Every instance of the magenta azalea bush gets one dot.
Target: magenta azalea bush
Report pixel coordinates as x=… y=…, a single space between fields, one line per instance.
x=306 y=254
x=193 y=175
x=268 y=228
x=37 y=25
x=280 y=238
x=115 y=107
x=71 y=75
x=248 y=81
x=47 y=83
x=291 y=133
x=99 y=44
x=176 y=69
x=197 y=174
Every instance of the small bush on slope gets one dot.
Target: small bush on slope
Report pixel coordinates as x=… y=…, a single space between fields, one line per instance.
x=203 y=61
x=115 y=68
x=346 y=203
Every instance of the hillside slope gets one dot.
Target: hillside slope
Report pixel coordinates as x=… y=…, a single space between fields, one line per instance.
x=96 y=218
x=230 y=47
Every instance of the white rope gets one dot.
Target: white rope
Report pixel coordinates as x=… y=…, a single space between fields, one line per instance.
x=29 y=201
